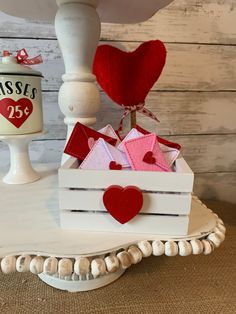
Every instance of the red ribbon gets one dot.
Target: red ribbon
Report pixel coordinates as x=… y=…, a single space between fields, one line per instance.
x=22 y=58
x=139 y=108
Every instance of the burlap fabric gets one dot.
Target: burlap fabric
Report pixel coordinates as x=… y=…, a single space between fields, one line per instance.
x=194 y=284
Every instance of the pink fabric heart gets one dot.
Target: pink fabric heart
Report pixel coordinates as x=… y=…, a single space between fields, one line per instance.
x=144 y=154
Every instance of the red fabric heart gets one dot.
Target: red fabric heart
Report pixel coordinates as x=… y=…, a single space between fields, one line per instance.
x=16 y=112
x=123 y=203
x=148 y=158
x=127 y=77
x=114 y=166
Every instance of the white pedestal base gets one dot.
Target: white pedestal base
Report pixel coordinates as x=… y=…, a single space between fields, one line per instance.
x=21 y=171
x=81 y=285
x=31 y=176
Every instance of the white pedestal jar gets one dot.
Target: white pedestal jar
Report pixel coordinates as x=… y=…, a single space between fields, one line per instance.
x=20 y=98
x=21 y=116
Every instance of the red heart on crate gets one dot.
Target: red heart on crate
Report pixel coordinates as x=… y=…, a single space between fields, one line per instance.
x=127 y=77
x=123 y=203
x=16 y=112
x=114 y=166
x=148 y=158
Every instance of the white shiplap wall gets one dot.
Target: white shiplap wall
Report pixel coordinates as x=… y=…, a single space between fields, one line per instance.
x=195 y=98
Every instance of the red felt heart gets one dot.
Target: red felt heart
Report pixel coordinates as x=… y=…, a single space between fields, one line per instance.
x=16 y=112
x=127 y=77
x=148 y=158
x=123 y=203
x=114 y=166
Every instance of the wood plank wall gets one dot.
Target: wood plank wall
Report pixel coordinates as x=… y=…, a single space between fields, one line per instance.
x=195 y=98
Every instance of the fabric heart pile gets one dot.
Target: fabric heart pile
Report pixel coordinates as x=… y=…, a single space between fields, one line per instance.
x=139 y=150
x=127 y=78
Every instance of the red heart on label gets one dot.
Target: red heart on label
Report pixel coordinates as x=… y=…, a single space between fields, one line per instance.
x=123 y=203
x=114 y=166
x=148 y=158
x=127 y=77
x=16 y=112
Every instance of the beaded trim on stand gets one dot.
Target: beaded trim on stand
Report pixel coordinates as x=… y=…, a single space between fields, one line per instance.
x=89 y=268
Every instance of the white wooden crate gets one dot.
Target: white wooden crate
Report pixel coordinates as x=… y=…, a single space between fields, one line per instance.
x=166 y=207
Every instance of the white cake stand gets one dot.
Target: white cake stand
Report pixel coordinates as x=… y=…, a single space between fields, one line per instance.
x=31 y=239
x=21 y=171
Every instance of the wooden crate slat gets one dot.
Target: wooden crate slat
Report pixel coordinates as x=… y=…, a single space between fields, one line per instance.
x=154 y=203
x=148 y=224
x=149 y=181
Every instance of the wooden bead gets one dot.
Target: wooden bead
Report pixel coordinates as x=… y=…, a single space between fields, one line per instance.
x=197 y=247
x=36 y=265
x=8 y=264
x=98 y=267
x=82 y=266
x=112 y=263
x=219 y=221
x=135 y=254
x=171 y=248
x=50 y=266
x=125 y=259
x=23 y=263
x=158 y=248
x=208 y=247
x=89 y=276
x=65 y=267
x=221 y=235
x=145 y=248
x=214 y=238
x=74 y=277
x=185 y=248
x=221 y=228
